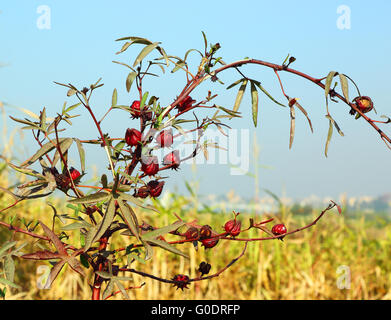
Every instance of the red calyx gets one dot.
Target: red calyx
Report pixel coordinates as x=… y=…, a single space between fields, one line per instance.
x=165 y=138
x=185 y=104
x=279 y=229
x=133 y=137
x=172 y=159
x=135 y=109
x=192 y=234
x=74 y=173
x=155 y=188
x=232 y=227
x=151 y=166
x=142 y=192
x=210 y=242
x=181 y=281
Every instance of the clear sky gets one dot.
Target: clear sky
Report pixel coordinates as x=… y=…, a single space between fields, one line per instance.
x=79 y=48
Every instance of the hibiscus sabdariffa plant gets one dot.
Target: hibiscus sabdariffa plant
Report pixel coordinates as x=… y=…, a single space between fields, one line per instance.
x=135 y=174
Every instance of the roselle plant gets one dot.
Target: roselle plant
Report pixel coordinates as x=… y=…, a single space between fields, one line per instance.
x=135 y=174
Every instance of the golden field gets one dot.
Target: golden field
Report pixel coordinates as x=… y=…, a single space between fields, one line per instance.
x=303 y=266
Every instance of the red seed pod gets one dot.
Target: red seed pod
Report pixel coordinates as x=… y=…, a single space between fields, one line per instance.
x=141 y=192
x=74 y=173
x=133 y=137
x=279 y=229
x=135 y=109
x=63 y=181
x=363 y=103
x=165 y=138
x=181 y=281
x=205 y=232
x=209 y=243
x=155 y=188
x=192 y=233
x=185 y=104
x=233 y=227
x=204 y=268
x=150 y=166
x=172 y=159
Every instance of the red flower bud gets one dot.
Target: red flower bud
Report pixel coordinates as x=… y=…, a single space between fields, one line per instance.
x=155 y=188
x=135 y=109
x=133 y=137
x=209 y=243
x=181 y=281
x=172 y=159
x=233 y=227
x=74 y=173
x=141 y=192
x=151 y=166
x=165 y=138
x=185 y=104
x=279 y=229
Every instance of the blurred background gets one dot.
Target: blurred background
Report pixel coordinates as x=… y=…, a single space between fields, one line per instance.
x=74 y=42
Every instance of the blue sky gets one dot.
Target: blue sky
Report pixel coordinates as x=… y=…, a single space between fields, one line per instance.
x=79 y=48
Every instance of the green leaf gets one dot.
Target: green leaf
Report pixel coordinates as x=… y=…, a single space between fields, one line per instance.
x=292 y=130
x=254 y=102
x=104 y=224
x=108 y=290
x=329 y=80
x=92 y=198
x=258 y=84
x=122 y=289
x=9 y=268
x=82 y=154
x=6 y=246
x=46 y=148
x=178 y=65
x=161 y=231
x=129 y=218
x=9 y=283
x=143 y=100
x=114 y=98
x=129 y=80
x=64 y=146
x=329 y=134
x=168 y=247
x=235 y=83
x=240 y=94
x=148 y=49
x=205 y=41
x=345 y=86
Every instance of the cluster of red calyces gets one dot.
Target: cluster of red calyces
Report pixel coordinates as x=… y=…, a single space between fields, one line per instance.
x=204 y=235
x=181 y=281
x=279 y=229
x=153 y=188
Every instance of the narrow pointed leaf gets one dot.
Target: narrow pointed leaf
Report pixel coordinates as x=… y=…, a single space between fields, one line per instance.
x=129 y=80
x=329 y=80
x=258 y=84
x=55 y=240
x=114 y=98
x=148 y=49
x=82 y=154
x=292 y=130
x=239 y=96
x=254 y=103
x=168 y=247
x=329 y=134
x=92 y=198
x=345 y=86
x=161 y=231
